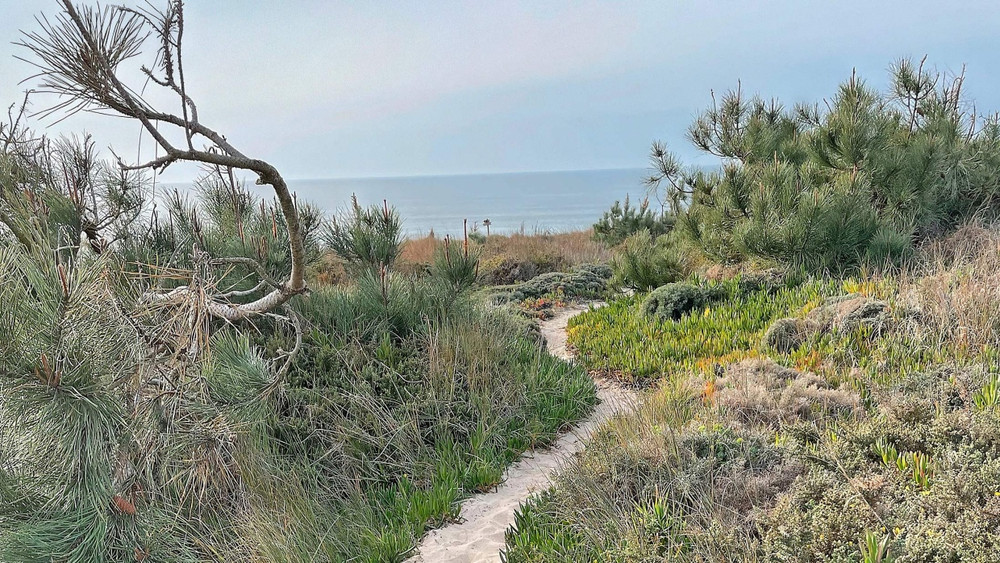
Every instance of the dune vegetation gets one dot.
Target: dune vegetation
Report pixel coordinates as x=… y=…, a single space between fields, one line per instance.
x=181 y=381
x=130 y=429
x=819 y=352
x=229 y=376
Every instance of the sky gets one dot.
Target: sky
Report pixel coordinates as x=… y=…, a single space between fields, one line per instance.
x=325 y=88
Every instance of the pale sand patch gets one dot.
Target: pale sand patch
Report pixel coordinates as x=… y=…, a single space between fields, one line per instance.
x=479 y=537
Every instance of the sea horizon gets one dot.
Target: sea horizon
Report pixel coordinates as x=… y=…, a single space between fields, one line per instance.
x=462 y=174
x=549 y=201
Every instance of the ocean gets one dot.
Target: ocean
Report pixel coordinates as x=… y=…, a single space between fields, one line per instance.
x=529 y=201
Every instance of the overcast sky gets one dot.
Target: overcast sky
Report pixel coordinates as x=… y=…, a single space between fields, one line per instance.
x=344 y=89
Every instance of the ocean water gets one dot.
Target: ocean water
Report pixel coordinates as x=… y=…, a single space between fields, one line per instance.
x=530 y=201
x=527 y=202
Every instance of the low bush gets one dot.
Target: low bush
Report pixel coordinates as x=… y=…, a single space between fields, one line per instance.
x=769 y=280
x=504 y=270
x=844 y=314
x=408 y=410
x=786 y=335
x=672 y=301
x=761 y=393
x=589 y=281
x=621 y=222
x=642 y=263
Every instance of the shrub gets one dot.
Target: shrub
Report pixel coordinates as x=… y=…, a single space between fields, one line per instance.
x=421 y=407
x=456 y=265
x=843 y=314
x=786 y=335
x=504 y=270
x=770 y=281
x=601 y=271
x=366 y=239
x=643 y=263
x=761 y=392
x=858 y=183
x=589 y=281
x=672 y=301
x=621 y=222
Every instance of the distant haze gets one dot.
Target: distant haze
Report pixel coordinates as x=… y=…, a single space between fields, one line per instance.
x=345 y=89
x=527 y=202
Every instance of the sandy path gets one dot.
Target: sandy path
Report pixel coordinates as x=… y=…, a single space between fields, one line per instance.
x=481 y=535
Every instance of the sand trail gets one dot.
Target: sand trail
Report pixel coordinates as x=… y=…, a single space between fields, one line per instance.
x=480 y=535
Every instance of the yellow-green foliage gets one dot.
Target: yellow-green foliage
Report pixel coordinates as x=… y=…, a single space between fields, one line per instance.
x=620 y=340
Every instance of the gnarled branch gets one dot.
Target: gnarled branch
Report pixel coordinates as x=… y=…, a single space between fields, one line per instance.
x=78 y=56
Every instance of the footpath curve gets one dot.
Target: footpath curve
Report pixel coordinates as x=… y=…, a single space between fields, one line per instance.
x=480 y=535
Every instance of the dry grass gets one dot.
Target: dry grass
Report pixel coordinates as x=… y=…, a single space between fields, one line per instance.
x=505 y=259
x=955 y=289
x=574 y=248
x=763 y=393
x=519 y=256
x=419 y=250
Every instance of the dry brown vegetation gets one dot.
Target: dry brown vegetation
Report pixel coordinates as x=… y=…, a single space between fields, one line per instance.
x=517 y=257
x=955 y=291
x=759 y=392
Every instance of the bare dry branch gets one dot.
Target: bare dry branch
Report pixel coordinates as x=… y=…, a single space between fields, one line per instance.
x=78 y=55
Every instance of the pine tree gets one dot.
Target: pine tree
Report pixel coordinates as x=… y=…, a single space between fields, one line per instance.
x=859 y=182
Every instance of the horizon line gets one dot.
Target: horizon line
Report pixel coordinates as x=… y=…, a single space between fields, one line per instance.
x=459 y=174
x=442 y=175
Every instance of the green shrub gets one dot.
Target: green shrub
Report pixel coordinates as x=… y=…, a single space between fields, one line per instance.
x=643 y=263
x=769 y=281
x=858 y=183
x=366 y=238
x=589 y=281
x=785 y=335
x=843 y=314
x=674 y=300
x=601 y=271
x=456 y=265
x=621 y=222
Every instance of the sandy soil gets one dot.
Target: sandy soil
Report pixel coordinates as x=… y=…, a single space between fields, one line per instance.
x=480 y=535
